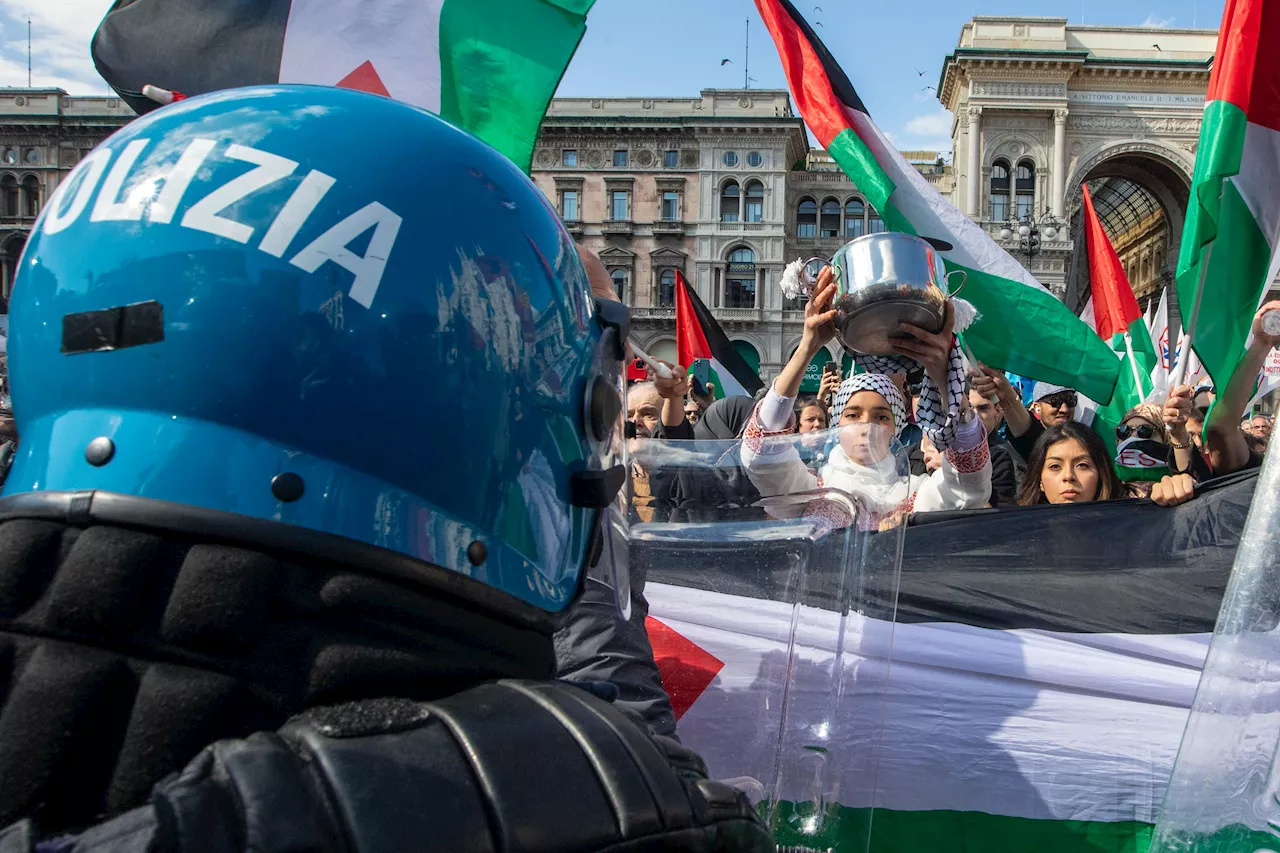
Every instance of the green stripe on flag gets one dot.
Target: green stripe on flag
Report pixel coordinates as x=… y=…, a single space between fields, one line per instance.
x=1240 y=257
x=1006 y=344
x=961 y=832
x=500 y=64
x=859 y=163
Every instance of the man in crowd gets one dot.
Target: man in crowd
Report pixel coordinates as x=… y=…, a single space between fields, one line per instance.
x=1259 y=427
x=1051 y=404
x=1006 y=467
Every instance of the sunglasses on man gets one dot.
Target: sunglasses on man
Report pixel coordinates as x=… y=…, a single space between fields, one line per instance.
x=1055 y=401
x=1144 y=431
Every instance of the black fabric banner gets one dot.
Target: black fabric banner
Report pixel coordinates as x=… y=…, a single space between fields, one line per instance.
x=1127 y=567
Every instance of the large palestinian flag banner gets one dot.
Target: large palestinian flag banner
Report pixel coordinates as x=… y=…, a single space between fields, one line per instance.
x=1022 y=327
x=1027 y=693
x=489 y=67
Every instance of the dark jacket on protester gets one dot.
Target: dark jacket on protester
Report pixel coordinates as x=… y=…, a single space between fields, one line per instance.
x=1005 y=475
x=708 y=494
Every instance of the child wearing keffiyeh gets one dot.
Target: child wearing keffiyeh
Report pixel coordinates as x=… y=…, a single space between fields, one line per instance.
x=869 y=410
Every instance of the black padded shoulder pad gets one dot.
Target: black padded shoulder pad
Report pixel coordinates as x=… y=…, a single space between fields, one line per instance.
x=508 y=766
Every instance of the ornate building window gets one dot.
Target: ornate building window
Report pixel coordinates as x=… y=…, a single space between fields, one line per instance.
x=874 y=223
x=1024 y=188
x=740 y=280
x=855 y=218
x=670 y=206
x=829 y=224
x=619 y=205
x=667 y=289
x=31 y=196
x=730 y=198
x=620 y=159
x=755 y=202
x=568 y=157
x=807 y=218
x=671 y=159
x=619 y=278
x=754 y=159
x=1000 y=190
x=569 y=206
x=9 y=196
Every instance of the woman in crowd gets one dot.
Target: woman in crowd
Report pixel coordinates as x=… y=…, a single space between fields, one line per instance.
x=1070 y=464
x=871 y=412
x=812 y=417
x=1158 y=434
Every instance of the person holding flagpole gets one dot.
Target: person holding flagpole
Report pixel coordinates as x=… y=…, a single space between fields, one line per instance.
x=1224 y=443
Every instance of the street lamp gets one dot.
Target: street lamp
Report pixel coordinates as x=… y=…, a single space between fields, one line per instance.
x=1028 y=231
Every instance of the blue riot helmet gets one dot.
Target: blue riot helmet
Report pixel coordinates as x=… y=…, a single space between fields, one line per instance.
x=325 y=314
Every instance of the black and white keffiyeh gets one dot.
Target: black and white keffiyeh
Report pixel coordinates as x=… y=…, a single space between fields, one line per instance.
x=940 y=426
x=882 y=385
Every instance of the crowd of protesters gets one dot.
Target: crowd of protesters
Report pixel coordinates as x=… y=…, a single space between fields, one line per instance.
x=999 y=453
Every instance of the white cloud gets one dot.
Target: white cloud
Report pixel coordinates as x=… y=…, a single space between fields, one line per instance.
x=1157 y=23
x=932 y=124
x=60 y=36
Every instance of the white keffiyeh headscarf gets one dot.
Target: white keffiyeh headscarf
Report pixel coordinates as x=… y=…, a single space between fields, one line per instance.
x=940 y=426
x=882 y=385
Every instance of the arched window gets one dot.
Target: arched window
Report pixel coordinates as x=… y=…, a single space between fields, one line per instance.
x=855 y=223
x=740 y=279
x=9 y=196
x=1000 y=190
x=755 y=202
x=667 y=289
x=620 y=284
x=829 y=224
x=874 y=223
x=730 y=197
x=807 y=218
x=1024 y=188
x=30 y=196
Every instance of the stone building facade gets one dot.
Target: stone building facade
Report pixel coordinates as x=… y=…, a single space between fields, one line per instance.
x=697 y=186
x=43 y=134
x=1042 y=107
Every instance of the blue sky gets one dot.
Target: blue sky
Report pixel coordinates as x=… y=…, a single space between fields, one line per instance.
x=673 y=47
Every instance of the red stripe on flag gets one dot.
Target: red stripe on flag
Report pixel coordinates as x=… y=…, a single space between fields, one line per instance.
x=1244 y=73
x=806 y=75
x=691 y=341
x=686 y=668
x=1114 y=305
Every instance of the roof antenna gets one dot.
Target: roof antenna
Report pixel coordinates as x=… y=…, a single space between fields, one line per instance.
x=28 y=53
x=746 y=58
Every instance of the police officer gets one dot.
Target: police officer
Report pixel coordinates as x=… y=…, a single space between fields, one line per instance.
x=315 y=454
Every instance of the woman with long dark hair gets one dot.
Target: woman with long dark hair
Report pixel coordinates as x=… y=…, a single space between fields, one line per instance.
x=1070 y=464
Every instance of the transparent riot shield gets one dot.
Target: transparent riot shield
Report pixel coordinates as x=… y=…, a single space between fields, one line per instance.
x=771 y=575
x=1224 y=794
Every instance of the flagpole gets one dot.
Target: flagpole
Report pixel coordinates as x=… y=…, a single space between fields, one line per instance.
x=1184 y=354
x=1133 y=362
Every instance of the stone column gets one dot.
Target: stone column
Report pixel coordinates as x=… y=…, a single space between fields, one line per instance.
x=975 y=162
x=1059 y=162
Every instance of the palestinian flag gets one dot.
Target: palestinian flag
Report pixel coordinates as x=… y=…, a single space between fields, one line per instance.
x=1232 y=231
x=698 y=335
x=1023 y=328
x=1024 y=692
x=1114 y=314
x=489 y=67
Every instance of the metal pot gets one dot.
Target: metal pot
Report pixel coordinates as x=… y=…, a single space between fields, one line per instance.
x=883 y=280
